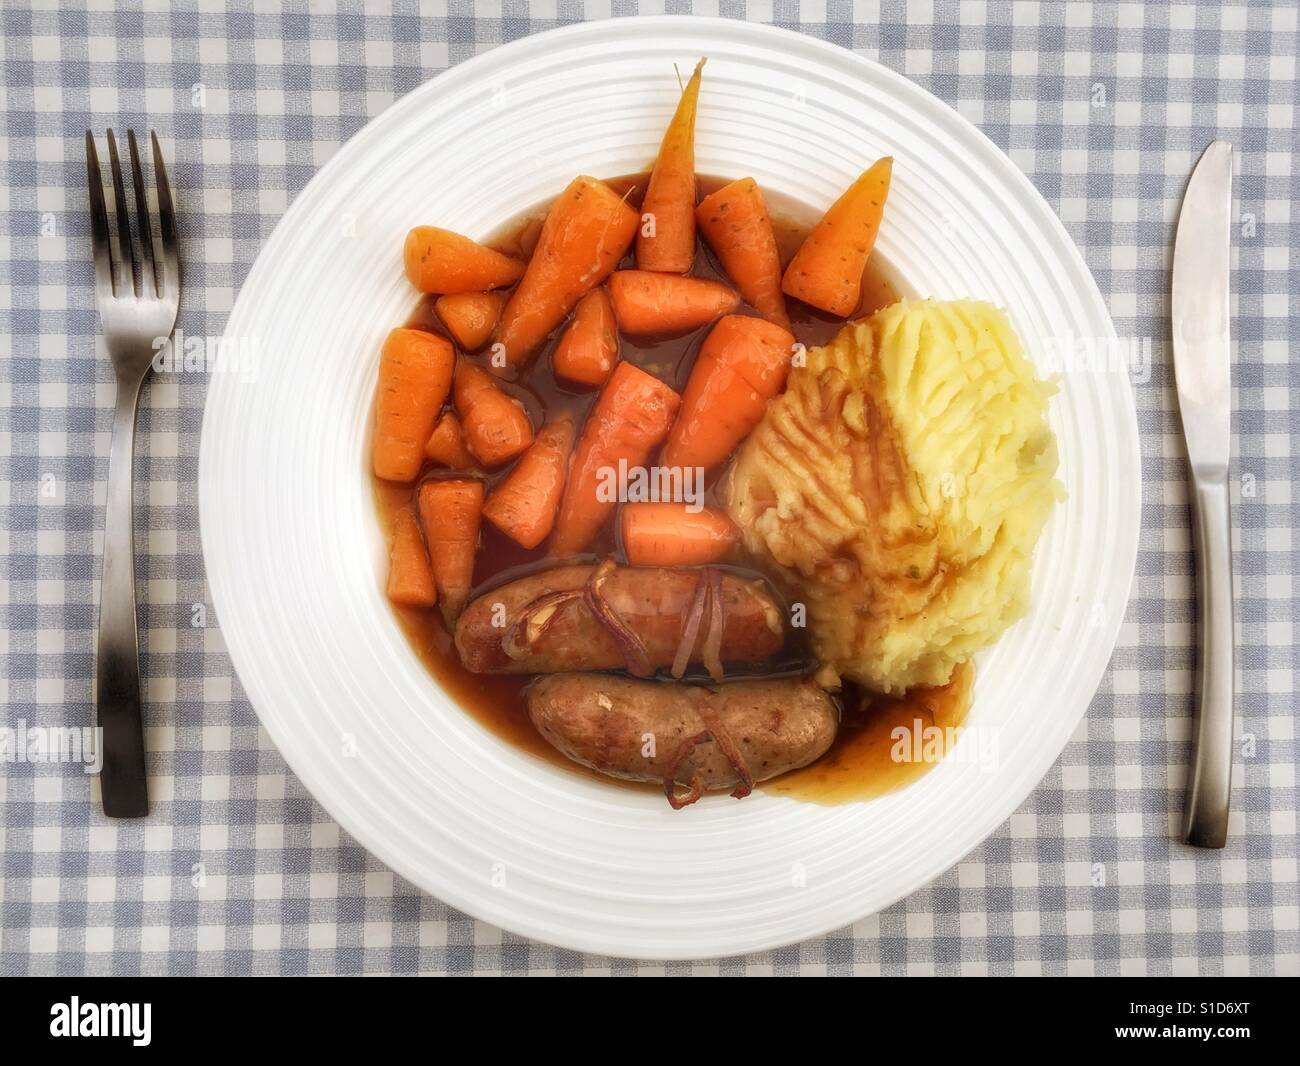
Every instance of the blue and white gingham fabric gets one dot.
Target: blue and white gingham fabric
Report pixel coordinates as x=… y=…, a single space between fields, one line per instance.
x=238 y=871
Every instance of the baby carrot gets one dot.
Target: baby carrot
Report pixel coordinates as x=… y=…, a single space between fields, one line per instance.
x=742 y=364
x=447 y=444
x=666 y=240
x=826 y=271
x=645 y=302
x=496 y=426
x=410 y=579
x=470 y=317
x=588 y=350
x=632 y=415
x=450 y=512
x=735 y=222
x=523 y=506
x=438 y=260
x=584 y=236
x=667 y=534
x=414 y=374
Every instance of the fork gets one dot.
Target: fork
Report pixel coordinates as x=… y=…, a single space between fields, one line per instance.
x=137 y=290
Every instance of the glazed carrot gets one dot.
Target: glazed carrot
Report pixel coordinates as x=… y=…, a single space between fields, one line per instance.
x=523 y=506
x=666 y=240
x=414 y=374
x=584 y=236
x=645 y=302
x=827 y=269
x=495 y=425
x=410 y=579
x=742 y=364
x=438 y=260
x=588 y=350
x=450 y=512
x=447 y=444
x=470 y=317
x=632 y=415
x=667 y=534
x=735 y=222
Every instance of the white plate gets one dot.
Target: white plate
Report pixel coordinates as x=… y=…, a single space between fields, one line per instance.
x=295 y=558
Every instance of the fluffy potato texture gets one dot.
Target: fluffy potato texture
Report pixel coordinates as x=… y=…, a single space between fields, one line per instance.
x=900 y=484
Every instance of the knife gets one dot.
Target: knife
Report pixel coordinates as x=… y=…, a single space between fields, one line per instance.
x=1202 y=369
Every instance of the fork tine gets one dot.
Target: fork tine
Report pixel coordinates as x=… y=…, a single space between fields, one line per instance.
x=126 y=253
x=100 y=245
x=143 y=224
x=171 y=273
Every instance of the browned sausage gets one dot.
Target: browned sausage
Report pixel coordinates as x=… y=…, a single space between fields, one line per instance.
x=547 y=622
x=692 y=738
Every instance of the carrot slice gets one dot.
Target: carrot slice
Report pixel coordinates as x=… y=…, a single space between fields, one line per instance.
x=523 y=506
x=666 y=240
x=742 y=364
x=735 y=222
x=447 y=444
x=496 y=426
x=438 y=260
x=415 y=371
x=632 y=416
x=645 y=302
x=588 y=350
x=450 y=512
x=470 y=317
x=667 y=534
x=584 y=236
x=410 y=579
x=826 y=271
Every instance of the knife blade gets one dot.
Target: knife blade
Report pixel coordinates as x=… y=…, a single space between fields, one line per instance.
x=1200 y=327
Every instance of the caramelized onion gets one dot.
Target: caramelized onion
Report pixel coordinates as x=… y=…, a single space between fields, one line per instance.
x=694 y=789
x=691 y=626
x=712 y=651
x=634 y=651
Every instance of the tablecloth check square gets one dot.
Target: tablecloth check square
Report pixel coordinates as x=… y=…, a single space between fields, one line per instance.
x=239 y=871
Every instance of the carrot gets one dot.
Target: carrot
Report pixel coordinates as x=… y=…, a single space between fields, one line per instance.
x=667 y=534
x=742 y=364
x=438 y=260
x=667 y=238
x=645 y=302
x=827 y=269
x=470 y=317
x=450 y=512
x=631 y=417
x=447 y=444
x=410 y=579
x=523 y=506
x=584 y=236
x=735 y=222
x=496 y=426
x=588 y=350
x=414 y=374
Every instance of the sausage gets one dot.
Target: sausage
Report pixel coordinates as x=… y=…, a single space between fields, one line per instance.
x=691 y=738
x=549 y=622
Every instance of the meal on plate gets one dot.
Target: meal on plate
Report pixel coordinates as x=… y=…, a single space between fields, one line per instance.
x=683 y=493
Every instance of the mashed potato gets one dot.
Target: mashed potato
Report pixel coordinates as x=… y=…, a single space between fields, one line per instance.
x=900 y=483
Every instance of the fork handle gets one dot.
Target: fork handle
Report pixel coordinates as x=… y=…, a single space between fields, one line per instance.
x=118 y=709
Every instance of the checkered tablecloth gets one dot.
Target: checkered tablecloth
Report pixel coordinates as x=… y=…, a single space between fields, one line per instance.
x=239 y=871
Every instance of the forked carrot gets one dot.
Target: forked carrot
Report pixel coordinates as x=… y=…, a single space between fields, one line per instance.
x=496 y=426
x=415 y=371
x=645 y=302
x=447 y=444
x=632 y=416
x=666 y=240
x=588 y=350
x=410 y=579
x=438 y=260
x=742 y=364
x=667 y=534
x=584 y=236
x=735 y=222
x=451 y=512
x=470 y=317
x=826 y=271
x=523 y=506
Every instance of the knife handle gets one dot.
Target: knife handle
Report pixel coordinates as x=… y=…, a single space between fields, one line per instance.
x=1209 y=791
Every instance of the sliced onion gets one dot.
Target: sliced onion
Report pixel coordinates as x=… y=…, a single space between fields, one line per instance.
x=734 y=756
x=712 y=651
x=694 y=789
x=533 y=621
x=634 y=651
x=691 y=626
